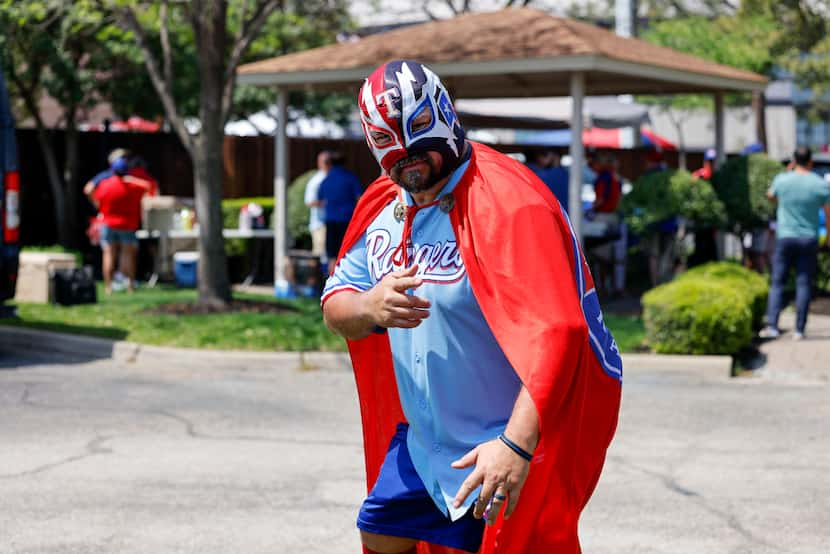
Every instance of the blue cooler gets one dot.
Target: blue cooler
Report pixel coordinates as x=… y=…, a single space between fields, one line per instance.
x=186 y=268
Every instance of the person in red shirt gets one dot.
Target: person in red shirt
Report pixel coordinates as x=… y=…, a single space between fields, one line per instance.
x=706 y=171
x=607 y=186
x=138 y=168
x=118 y=199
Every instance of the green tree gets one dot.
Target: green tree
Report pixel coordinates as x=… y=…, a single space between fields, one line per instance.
x=743 y=42
x=223 y=32
x=658 y=196
x=760 y=35
x=741 y=184
x=218 y=52
x=53 y=47
x=654 y=9
x=287 y=32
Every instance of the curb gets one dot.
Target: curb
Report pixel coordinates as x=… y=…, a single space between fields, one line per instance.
x=704 y=367
x=78 y=346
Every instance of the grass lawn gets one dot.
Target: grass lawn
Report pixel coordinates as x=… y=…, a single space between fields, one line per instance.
x=125 y=316
x=628 y=331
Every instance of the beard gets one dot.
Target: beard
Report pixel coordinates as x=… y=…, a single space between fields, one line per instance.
x=414 y=181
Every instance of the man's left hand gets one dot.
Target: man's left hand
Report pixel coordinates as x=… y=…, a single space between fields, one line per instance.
x=501 y=474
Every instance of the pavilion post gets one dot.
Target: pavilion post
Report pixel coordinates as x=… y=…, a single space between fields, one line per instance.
x=720 y=137
x=577 y=154
x=282 y=288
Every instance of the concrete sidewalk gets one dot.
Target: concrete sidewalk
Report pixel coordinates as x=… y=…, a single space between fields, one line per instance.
x=82 y=348
x=808 y=360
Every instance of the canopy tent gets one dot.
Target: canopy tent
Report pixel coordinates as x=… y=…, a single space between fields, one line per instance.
x=596 y=138
x=265 y=122
x=606 y=112
x=511 y=53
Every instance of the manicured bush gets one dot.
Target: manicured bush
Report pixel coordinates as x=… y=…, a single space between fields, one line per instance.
x=741 y=184
x=697 y=315
x=743 y=280
x=230 y=219
x=658 y=196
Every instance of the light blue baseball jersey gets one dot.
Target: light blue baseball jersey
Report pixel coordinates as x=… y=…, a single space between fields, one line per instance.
x=456 y=387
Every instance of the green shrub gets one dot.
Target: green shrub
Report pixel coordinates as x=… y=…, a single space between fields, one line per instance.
x=298 y=212
x=741 y=184
x=230 y=219
x=697 y=315
x=658 y=196
x=741 y=279
x=823 y=271
x=57 y=248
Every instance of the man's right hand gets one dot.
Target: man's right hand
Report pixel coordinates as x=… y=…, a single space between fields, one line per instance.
x=389 y=304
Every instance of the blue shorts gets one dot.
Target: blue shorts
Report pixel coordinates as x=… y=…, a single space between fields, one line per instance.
x=400 y=506
x=110 y=235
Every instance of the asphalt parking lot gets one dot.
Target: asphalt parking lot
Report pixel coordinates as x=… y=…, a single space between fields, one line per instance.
x=100 y=456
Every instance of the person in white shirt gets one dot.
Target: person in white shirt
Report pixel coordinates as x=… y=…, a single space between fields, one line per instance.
x=316 y=226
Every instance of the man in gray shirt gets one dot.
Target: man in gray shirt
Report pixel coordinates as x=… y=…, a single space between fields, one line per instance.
x=800 y=194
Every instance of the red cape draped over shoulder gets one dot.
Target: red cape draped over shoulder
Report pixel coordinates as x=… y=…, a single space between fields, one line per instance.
x=519 y=254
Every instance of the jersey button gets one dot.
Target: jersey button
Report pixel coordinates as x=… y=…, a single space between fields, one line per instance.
x=423 y=404
x=436 y=447
x=417 y=358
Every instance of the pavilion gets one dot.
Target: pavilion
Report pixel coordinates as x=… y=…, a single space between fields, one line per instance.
x=506 y=54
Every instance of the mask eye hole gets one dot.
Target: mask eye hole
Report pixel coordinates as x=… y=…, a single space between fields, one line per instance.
x=381 y=139
x=422 y=120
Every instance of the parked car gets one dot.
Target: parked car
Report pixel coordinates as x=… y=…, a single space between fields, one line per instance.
x=9 y=198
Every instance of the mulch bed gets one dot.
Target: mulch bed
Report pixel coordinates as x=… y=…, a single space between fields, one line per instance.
x=235 y=306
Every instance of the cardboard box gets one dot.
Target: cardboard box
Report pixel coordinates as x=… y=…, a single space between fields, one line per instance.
x=33 y=274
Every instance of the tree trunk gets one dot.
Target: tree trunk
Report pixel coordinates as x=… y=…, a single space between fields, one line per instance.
x=681 y=142
x=55 y=184
x=759 y=108
x=214 y=285
x=681 y=146
x=52 y=170
x=70 y=179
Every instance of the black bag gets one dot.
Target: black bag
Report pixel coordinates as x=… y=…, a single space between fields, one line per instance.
x=72 y=286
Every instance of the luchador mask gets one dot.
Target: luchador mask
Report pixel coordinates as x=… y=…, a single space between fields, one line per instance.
x=405 y=110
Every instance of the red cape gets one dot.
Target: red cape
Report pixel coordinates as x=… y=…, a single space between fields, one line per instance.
x=518 y=251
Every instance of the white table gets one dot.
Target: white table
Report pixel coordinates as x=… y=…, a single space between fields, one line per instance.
x=143 y=234
x=164 y=236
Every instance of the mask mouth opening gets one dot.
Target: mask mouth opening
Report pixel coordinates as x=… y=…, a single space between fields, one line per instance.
x=415 y=157
x=414 y=181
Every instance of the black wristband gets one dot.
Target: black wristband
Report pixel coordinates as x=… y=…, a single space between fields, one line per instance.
x=516 y=448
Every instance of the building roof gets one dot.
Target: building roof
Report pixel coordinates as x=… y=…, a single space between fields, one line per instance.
x=512 y=52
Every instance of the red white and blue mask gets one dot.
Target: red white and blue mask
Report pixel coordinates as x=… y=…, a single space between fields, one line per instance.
x=406 y=110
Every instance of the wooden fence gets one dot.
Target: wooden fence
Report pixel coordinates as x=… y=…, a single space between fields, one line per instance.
x=249 y=168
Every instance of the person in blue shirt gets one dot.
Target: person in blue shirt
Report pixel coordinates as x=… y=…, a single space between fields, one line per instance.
x=316 y=227
x=800 y=194
x=545 y=164
x=93 y=183
x=338 y=195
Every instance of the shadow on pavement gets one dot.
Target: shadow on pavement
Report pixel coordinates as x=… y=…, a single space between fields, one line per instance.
x=35 y=344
